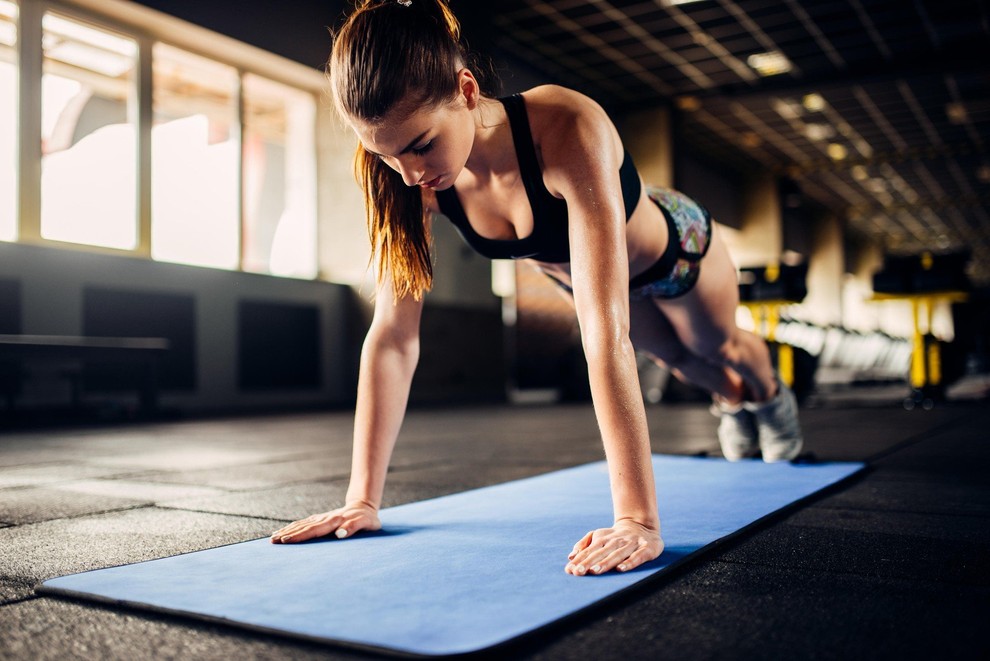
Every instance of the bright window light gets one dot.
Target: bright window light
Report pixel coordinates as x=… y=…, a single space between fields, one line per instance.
x=279 y=203
x=89 y=169
x=195 y=154
x=8 y=122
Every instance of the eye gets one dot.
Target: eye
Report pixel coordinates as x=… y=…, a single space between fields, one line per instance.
x=419 y=151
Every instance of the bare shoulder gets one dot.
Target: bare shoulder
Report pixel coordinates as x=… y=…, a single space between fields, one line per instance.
x=556 y=106
x=570 y=127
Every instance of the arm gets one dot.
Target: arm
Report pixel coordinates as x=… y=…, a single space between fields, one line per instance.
x=581 y=162
x=388 y=360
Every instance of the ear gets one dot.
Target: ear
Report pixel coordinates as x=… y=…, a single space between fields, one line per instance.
x=469 y=88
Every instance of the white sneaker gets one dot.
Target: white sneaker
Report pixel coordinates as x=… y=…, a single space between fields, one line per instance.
x=737 y=431
x=777 y=425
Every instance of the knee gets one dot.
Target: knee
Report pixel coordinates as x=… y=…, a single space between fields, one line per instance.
x=672 y=355
x=727 y=350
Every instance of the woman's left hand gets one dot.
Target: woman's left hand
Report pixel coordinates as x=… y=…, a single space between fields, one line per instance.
x=624 y=546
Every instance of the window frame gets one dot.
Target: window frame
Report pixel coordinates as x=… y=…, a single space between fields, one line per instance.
x=146 y=27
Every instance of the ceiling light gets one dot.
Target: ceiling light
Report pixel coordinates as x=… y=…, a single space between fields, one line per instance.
x=818 y=132
x=786 y=108
x=688 y=103
x=813 y=102
x=956 y=112
x=8 y=9
x=771 y=63
x=751 y=139
x=875 y=185
x=681 y=2
x=837 y=152
x=859 y=173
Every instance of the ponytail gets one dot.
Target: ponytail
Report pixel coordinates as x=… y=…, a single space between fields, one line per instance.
x=390 y=52
x=400 y=242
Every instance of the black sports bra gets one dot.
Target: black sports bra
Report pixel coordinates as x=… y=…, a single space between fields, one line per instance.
x=548 y=241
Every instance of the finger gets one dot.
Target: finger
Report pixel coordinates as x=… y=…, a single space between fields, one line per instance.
x=582 y=544
x=354 y=524
x=638 y=557
x=310 y=529
x=612 y=559
x=598 y=548
x=601 y=559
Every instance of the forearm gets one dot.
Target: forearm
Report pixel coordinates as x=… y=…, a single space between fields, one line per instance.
x=622 y=419
x=384 y=381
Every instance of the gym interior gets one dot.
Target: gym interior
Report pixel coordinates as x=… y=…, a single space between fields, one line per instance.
x=185 y=289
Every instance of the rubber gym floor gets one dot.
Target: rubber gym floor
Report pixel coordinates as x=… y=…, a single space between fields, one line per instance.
x=892 y=564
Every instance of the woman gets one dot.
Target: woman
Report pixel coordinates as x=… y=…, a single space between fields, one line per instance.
x=540 y=176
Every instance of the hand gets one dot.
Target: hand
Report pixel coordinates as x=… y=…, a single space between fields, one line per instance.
x=343 y=522
x=624 y=546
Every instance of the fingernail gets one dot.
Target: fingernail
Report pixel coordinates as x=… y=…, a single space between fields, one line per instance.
x=597 y=569
x=623 y=567
x=581 y=570
x=341 y=533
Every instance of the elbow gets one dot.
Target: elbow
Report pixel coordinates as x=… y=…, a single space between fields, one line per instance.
x=394 y=343
x=606 y=342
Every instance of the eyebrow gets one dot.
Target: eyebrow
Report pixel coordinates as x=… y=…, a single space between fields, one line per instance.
x=409 y=147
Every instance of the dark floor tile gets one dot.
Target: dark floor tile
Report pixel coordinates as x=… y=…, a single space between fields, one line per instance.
x=286 y=503
x=934 y=527
x=260 y=475
x=838 y=551
x=11 y=590
x=917 y=493
x=33 y=553
x=56 y=630
x=726 y=611
x=20 y=506
x=50 y=472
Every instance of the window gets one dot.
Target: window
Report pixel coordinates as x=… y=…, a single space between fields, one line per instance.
x=8 y=121
x=195 y=152
x=208 y=161
x=89 y=137
x=279 y=222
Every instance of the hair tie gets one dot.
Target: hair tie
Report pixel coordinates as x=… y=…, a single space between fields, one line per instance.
x=405 y=3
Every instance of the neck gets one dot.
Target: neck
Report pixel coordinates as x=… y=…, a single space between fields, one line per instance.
x=489 y=117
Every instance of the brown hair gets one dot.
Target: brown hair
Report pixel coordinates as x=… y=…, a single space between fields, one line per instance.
x=388 y=53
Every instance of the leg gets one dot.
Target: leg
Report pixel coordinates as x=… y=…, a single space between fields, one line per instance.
x=754 y=404
x=704 y=320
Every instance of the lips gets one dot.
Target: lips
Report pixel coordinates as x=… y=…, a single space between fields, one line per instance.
x=432 y=183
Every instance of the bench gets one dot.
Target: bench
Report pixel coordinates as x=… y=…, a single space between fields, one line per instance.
x=145 y=351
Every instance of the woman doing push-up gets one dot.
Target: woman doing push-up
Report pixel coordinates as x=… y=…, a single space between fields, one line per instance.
x=541 y=176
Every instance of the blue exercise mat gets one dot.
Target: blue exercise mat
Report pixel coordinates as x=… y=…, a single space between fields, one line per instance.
x=454 y=574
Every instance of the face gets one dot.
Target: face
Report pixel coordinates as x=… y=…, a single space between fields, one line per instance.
x=428 y=146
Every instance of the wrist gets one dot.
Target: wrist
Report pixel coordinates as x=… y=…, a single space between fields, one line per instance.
x=651 y=523
x=360 y=501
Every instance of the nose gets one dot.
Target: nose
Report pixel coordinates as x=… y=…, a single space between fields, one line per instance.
x=411 y=174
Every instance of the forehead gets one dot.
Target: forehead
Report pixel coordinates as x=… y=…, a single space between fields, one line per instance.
x=396 y=131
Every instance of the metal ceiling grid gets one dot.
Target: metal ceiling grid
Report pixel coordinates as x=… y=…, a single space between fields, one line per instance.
x=895 y=141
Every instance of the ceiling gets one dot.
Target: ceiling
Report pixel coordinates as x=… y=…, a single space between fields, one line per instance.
x=882 y=118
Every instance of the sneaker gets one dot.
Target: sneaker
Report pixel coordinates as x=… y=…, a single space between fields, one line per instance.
x=737 y=431
x=777 y=425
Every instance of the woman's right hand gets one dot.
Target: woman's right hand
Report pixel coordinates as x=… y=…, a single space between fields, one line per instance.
x=343 y=522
